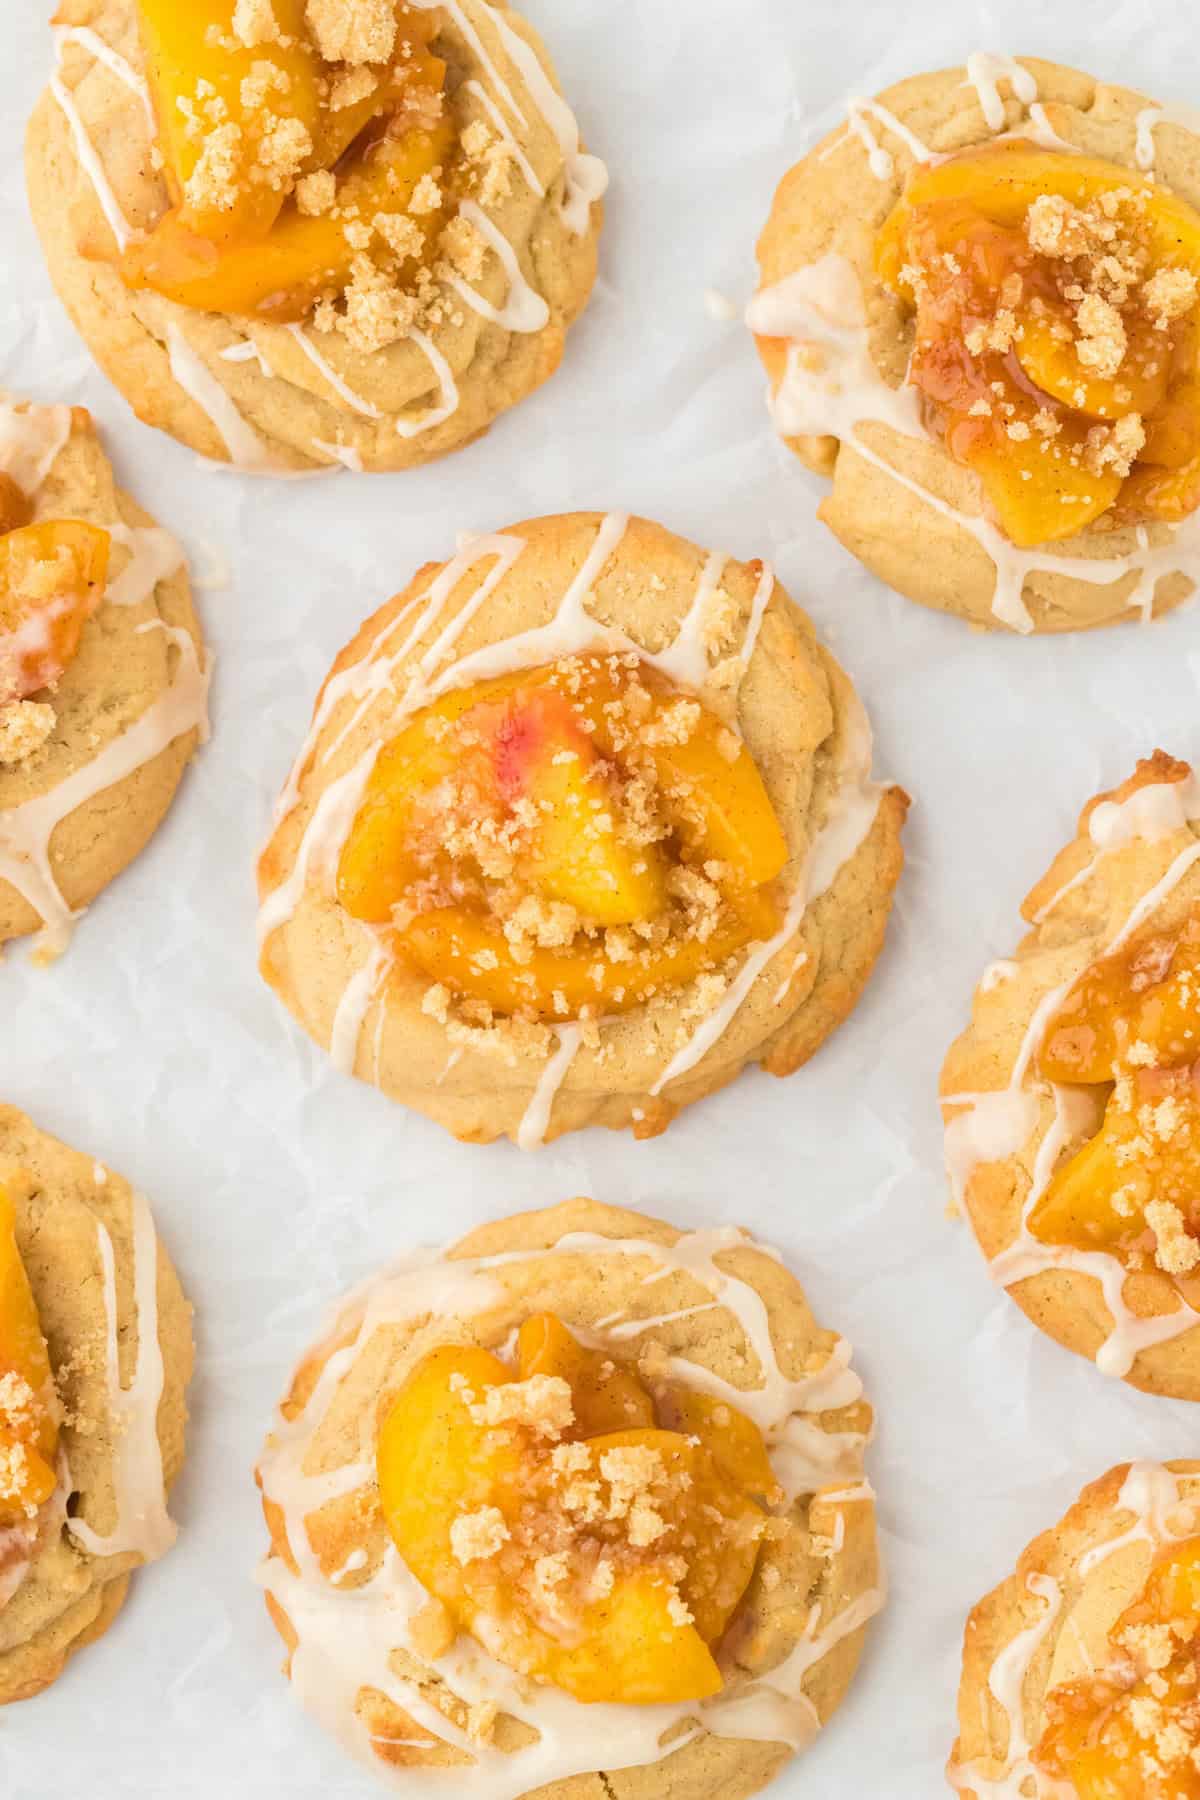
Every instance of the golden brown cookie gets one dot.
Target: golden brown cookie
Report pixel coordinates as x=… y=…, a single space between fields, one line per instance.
x=1079 y=1671
x=1071 y=1101
x=889 y=334
x=389 y=1437
x=357 y=245
x=92 y=1384
x=584 y=824
x=103 y=675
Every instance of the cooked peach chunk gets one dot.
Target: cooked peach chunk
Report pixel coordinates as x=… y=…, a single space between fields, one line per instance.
x=732 y=1440
x=1140 y=1171
x=605 y=1394
x=235 y=123
x=1131 y=1735
x=51 y=581
x=605 y=1565
x=16 y=508
x=473 y=956
x=1141 y=1004
x=281 y=276
x=1056 y=300
x=28 y=1410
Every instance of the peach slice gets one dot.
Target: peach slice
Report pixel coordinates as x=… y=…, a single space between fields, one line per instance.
x=606 y=1395
x=1147 y=1149
x=1145 y=994
x=51 y=581
x=732 y=1440
x=633 y=1638
x=281 y=276
x=1050 y=359
x=29 y=1435
x=1039 y=495
x=519 y=753
x=1003 y=181
x=196 y=70
x=472 y=955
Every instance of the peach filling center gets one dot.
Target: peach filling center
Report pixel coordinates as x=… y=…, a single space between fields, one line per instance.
x=28 y=1406
x=51 y=581
x=1057 y=334
x=1133 y=1731
x=1129 y=1029
x=592 y=1537
x=302 y=144
x=565 y=842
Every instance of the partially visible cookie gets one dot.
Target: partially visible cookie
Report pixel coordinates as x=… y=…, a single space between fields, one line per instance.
x=934 y=279
x=352 y=243
x=88 y=1455
x=584 y=824
x=1072 y=1101
x=1080 y=1670
x=103 y=675
x=581 y=1342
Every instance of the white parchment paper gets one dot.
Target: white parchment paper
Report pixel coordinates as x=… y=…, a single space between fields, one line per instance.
x=277 y=1183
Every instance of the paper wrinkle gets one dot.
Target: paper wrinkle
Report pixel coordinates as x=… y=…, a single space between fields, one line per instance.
x=277 y=1183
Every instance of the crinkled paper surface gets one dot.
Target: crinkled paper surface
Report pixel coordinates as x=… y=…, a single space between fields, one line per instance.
x=277 y=1183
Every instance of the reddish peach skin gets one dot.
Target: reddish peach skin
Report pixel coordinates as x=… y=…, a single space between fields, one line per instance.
x=40 y=631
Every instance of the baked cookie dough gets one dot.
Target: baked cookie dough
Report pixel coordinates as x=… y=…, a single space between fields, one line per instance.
x=1079 y=1671
x=1072 y=1101
x=103 y=676
x=270 y=312
x=95 y=1357
x=410 y=1578
x=1001 y=258
x=584 y=824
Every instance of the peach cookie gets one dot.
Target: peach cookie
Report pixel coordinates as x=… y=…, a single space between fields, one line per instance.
x=1080 y=1671
x=95 y=1355
x=103 y=685
x=582 y=1494
x=987 y=333
x=584 y=823
x=1073 y=1100
x=304 y=233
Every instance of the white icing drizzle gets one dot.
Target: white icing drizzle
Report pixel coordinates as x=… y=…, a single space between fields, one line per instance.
x=820 y=308
x=524 y=310
x=346 y=1636
x=341 y=388
x=571 y=631
x=142 y=1526
x=880 y=161
x=355 y=1002
x=246 y=351
x=1186 y=117
x=113 y=61
x=1006 y=1683
x=345 y=454
x=586 y=177
x=534 y=1125
x=154 y=556
x=448 y=401
x=26 y=830
x=246 y=448
x=30 y=442
x=985 y=71
x=1151 y=1492
x=85 y=150
x=991 y=1127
